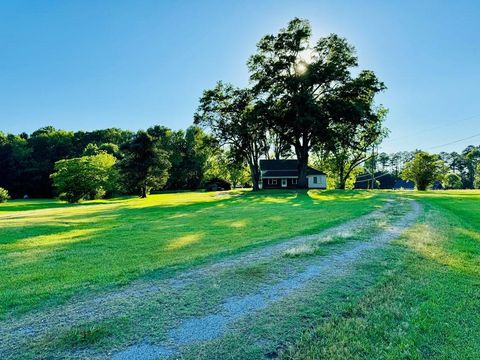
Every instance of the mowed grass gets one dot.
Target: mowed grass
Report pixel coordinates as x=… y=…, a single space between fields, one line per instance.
x=426 y=302
x=50 y=251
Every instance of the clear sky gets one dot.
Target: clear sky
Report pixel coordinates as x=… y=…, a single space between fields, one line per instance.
x=131 y=64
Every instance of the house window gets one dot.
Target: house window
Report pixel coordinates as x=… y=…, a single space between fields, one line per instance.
x=314 y=179
x=272 y=181
x=294 y=181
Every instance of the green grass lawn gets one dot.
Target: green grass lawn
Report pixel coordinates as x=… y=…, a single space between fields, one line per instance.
x=50 y=250
x=425 y=305
x=416 y=298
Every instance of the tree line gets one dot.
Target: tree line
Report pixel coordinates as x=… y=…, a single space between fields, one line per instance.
x=448 y=170
x=86 y=165
x=305 y=100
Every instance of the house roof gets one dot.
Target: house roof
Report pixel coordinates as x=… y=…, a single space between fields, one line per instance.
x=404 y=184
x=282 y=168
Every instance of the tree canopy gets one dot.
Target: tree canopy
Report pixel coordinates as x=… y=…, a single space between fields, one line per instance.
x=87 y=177
x=236 y=120
x=310 y=89
x=145 y=165
x=26 y=161
x=424 y=169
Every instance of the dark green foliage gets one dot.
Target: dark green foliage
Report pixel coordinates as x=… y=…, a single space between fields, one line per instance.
x=476 y=184
x=110 y=148
x=464 y=164
x=452 y=181
x=312 y=95
x=145 y=165
x=99 y=137
x=26 y=162
x=188 y=152
x=91 y=150
x=217 y=184
x=238 y=120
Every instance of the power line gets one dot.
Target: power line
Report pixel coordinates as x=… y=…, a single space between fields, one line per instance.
x=453 y=142
x=369 y=179
x=452 y=123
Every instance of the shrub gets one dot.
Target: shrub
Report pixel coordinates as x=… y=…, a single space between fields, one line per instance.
x=3 y=195
x=424 y=170
x=453 y=181
x=217 y=184
x=88 y=177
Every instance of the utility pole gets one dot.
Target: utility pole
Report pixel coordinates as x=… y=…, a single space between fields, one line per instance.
x=373 y=167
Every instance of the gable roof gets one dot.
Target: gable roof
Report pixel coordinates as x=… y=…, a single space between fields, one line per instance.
x=278 y=164
x=281 y=168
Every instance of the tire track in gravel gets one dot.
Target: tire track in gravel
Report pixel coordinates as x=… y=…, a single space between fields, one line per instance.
x=211 y=326
x=17 y=333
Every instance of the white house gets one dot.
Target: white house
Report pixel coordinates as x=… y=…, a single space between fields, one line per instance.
x=283 y=174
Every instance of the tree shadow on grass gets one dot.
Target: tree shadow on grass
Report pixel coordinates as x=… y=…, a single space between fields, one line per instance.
x=152 y=240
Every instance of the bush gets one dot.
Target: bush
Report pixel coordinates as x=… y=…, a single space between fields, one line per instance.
x=88 y=177
x=424 y=170
x=217 y=184
x=3 y=195
x=453 y=181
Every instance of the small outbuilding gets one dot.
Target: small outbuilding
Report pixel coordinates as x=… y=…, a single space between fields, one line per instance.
x=404 y=185
x=283 y=174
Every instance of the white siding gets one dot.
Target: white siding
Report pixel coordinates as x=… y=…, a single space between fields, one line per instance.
x=321 y=182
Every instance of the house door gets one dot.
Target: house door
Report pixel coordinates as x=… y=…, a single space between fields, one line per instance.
x=284 y=182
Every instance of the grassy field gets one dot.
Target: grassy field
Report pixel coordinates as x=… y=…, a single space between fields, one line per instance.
x=427 y=304
x=415 y=298
x=50 y=250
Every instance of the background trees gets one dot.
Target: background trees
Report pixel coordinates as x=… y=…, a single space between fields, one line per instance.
x=188 y=152
x=145 y=165
x=477 y=178
x=236 y=120
x=26 y=161
x=452 y=181
x=350 y=146
x=226 y=165
x=424 y=169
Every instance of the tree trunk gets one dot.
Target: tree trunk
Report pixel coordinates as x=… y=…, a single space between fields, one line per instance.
x=302 y=157
x=255 y=174
x=143 y=194
x=342 y=179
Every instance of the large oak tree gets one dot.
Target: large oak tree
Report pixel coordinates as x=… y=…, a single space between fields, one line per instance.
x=310 y=88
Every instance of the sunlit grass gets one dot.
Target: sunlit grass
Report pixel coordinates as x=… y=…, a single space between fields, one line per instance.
x=50 y=250
x=426 y=304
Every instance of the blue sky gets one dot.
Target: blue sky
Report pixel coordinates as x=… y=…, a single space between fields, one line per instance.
x=131 y=64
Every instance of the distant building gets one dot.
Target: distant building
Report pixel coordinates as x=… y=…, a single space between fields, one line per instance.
x=437 y=185
x=382 y=181
x=404 y=185
x=283 y=174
